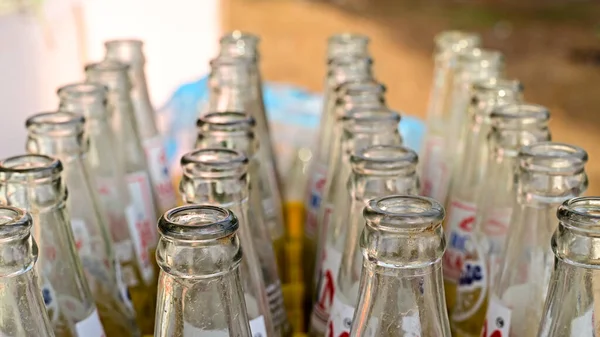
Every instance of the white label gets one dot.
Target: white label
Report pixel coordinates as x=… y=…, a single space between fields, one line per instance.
x=91 y=262
x=411 y=325
x=329 y=271
x=583 y=326
x=122 y=286
x=142 y=221
x=191 y=331
x=497 y=222
x=159 y=173
x=257 y=327
x=461 y=219
x=81 y=235
x=340 y=321
x=497 y=319
x=268 y=207
x=315 y=190
x=435 y=170
x=50 y=300
x=124 y=252
x=90 y=327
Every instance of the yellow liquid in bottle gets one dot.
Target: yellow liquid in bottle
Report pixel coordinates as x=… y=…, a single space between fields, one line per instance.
x=143 y=297
x=450 y=291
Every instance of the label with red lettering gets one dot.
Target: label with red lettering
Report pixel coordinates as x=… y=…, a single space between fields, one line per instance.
x=258 y=327
x=142 y=222
x=326 y=286
x=497 y=222
x=340 y=320
x=435 y=172
x=315 y=190
x=461 y=220
x=91 y=326
x=159 y=173
x=497 y=319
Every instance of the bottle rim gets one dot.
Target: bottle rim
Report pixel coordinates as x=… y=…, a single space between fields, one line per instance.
x=82 y=89
x=553 y=158
x=581 y=214
x=502 y=87
x=519 y=114
x=348 y=38
x=197 y=223
x=107 y=66
x=383 y=158
x=367 y=119
x=401 y=213
x=214 y=163
x=15 y=223
x=56 y=123
x=239 y=35
x=456 y=40
x=227 y=120
x=27 y=164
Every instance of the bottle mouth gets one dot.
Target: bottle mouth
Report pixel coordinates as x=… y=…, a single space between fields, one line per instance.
x=107 y=66
x=348 y=38
x=28 y=166
x=361 y=119
x=15 y=223
x=56 y=124
x=401 y=213
x=112 y=74
x=581 y=214
x=238 y=35
x=384 y=159
x=456 y=40
x=226 y=121
x=214 y=163
x=82 y=90
x=519 y=114
x=481 y=57
x=553 y=158
x=197 y=223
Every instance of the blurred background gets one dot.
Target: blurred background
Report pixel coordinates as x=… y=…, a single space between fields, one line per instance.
x=552 y=46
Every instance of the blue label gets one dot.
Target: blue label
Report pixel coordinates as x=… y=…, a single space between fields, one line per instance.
x=472 y=274
x=458 y=241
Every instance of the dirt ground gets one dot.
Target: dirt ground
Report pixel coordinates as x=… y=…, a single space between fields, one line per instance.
x=551 y=46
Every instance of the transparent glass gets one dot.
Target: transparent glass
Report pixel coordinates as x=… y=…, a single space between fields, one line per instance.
x=219 y=177
x=376 y=171
x=130 y=52
x=347 y=44
x=469 y=175
x=448 y=45
x=89 y=99
x=200 y=290
x=401 y=290
x=34 y=183
x=21 y=300
x=61 y=135
x=234 y=130
x=130 y=153
x=572 y=300
x=513 y=126
x=548 y=174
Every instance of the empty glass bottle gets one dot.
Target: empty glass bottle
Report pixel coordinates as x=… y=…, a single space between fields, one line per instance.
x=61 y=135
x=34 y=183
x=21 y=300
x=572 y=300
x=200 y=290
x=376 y=171
x=448 y=45
x=130 y=52
x=114 y=76
x=548 y=174
x=401 y=289
x=109 y=173
x=513 y=126
x=346 y=44
x=468 y=177
x=234 y=130
x=219 y=177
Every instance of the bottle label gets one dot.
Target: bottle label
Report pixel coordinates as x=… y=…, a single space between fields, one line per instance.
x=411 y=325
x=461 y=219
x=91 y=262
x=91 y=326
x=109 y=195
x=497 y=222
x=142 y=221
x=497 y=319
x=340 y=320
x=124 y=252
x=327 y=212
x=329 y=271
x=472 y=284
x=124 y=295
x=257 y=327
x=435 y=169
x=268 y=208
x=191 y=331
x=50 y=300
x=315 y=190
x=159 y=173
x=583 y=325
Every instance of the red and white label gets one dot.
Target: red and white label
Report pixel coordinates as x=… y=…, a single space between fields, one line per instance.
x=159 y=173
x=142 y=221
x=340 y=320
x=497 y=319
x=497 y=222
x=315 y=190
x=329 y=272
x=461 y=220
x=90 y=327
x=81 y=235
x=435 y=170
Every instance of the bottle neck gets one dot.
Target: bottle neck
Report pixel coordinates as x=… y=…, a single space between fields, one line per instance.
x=225 y=192
x=242 y=141
x=36 y=195
x=228 y=98
x=142 y=106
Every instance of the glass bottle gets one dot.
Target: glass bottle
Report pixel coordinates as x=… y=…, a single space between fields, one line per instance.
x=61 y=135
x=376 y=171
x=234 y=130
x=572 y=300
x=200 y=290
x=21 y=300
x=401 y=289
x=448 y=45
x=219 y=177
x=513 y=126
x=469 y=175
x=347 y=44
x=34 y=183
x=130 y=52
x=89 y=99
x=548 y=174
x=130 y=153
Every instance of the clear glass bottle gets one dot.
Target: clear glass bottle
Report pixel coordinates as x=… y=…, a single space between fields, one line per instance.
x=376 y=171
x=219 y=177
x=200 y=289
x=513 y=126
x=401 y=289
x=61 y=135
x=21 y=300
x=89 y=99
x=448 y=45
x=34 y=183
x=130 y=52
x=572 y=300
x=234 y=130
x=347 y=44
x=468 y=176
x=130 y=153
x=547 y=174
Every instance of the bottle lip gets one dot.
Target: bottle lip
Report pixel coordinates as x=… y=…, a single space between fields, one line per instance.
x=348 y=61
x=359 y=87
x=82 y=89
x=519 y=114
x=456 y=40
x=15 y=223
x=367 y=118
x=481 y=56
x=56 y=123
x=581 y=214
x=128 y=42
x=401 y=213
x=197 y=223
x=553 y=158
x=30 y=164
x=348 y=38
x=383 y=158
x=227 y=121
x=107 y=66
x=237 y=35
x=501 y=87
x=214 y=163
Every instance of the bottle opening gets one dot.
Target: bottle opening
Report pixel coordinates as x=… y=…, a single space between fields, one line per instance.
x=214 y=162
x=553 y=158
x=348 y=38
x=385 y=158
x=519 y=114
x=128 y=50
x=456 y=40
x=59 y=123
x=197 y=222
x=226 y=121
x=14 y=222
x=237 y=35
x=581 y=213
x=404 y=212
x=81 y=90
x=30 y=163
